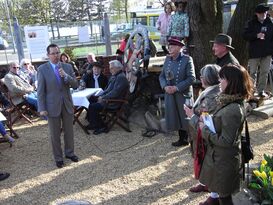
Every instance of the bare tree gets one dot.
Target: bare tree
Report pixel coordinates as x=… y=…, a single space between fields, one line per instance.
x=206 y=20
x=244 y=11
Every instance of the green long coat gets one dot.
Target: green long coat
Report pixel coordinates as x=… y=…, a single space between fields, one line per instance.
x=221 y=166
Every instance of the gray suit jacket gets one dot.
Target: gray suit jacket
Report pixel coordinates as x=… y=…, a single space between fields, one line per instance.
x=51 y=94
x=17 y=87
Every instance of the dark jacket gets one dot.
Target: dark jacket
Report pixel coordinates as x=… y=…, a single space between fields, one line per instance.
x=226 y=59
x=259 y=47
x=90 y=81
x=117 y=87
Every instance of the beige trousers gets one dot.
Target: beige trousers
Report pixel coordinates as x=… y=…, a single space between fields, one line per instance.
x=263 y=64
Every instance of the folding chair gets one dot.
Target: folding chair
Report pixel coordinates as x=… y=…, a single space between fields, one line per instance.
x=16 y=112
x=77 y=112
x=112 y=116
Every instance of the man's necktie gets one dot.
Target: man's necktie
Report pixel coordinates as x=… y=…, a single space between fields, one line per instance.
x=96 y=81
x=57 y=74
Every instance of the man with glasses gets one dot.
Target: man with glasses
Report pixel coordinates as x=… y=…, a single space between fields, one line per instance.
x=19 y=89
x=55 y=102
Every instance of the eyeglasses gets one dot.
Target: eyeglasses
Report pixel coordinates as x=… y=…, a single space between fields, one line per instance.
x=53 y=54
x=15 y=67
x=26 y=63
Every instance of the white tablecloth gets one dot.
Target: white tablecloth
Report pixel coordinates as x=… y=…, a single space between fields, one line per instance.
x=80 y=98
x=2 y=117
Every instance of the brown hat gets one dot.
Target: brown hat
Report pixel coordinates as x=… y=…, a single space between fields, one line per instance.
x=261 y=8
x=175 y=42
x=222 y=38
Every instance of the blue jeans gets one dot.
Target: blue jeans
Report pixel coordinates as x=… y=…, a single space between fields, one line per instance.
x=31 y=98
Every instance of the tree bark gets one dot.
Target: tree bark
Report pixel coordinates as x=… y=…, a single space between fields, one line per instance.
x=206 y=20
x=243 y=12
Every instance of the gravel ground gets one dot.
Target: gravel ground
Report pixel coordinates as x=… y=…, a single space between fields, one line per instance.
x=115 y=168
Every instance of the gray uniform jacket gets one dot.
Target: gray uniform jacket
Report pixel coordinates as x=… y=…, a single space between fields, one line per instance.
x=183 y=73
x=51 y=94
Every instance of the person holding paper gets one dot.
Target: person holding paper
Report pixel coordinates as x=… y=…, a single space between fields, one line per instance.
x=206 y=102
x=55 y=102
x=221 y=165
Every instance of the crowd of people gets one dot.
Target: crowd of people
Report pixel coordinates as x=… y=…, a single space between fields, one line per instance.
x=226 y=88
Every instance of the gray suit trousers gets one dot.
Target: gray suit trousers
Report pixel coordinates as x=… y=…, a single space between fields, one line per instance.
x=64 y=121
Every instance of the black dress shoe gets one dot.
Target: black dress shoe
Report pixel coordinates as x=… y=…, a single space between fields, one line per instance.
x=4 y=176
x=100 y=130
x=180 y=143
x=90 y=127
x=60 y=164
x=73 y=158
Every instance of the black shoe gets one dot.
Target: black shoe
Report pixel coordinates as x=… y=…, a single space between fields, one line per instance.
x=60 y=164
x=100 y=130
x=73 y=158
x=4 y=176
x=90 y=127
x=262 y=94
x=180 y=143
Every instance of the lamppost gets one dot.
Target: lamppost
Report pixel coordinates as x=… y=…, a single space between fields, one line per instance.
x=9 y=21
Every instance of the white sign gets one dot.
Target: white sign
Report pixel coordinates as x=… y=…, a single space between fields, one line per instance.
x=37 y=39
x=83 y=34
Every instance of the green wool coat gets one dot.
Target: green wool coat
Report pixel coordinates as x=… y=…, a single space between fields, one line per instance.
x=221 y=166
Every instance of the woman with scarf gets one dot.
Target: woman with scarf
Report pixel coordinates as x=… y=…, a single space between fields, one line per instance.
x=221 y=166
x=206 y=102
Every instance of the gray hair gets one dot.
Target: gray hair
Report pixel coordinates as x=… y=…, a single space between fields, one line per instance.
x=116 y=64
x=210 y=74
x=11 y=64
x=23 y=61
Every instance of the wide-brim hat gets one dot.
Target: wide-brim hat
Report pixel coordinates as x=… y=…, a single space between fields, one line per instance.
x=175 y=42
x=222 y=38
x=261 y=8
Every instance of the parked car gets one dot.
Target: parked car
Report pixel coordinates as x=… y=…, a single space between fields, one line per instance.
x=154 y=34
x=3 y=44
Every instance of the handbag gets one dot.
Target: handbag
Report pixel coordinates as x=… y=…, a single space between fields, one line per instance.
x=199 y=154
x=246 y=150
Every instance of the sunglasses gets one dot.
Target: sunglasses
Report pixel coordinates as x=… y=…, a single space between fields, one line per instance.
x=15 y=67
x=26 y=63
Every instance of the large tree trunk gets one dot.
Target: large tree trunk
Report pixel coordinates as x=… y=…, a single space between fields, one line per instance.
x=206 y=20
x=244 y=11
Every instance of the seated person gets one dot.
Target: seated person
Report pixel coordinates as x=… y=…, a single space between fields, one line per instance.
x=95 y=79
x=116 y=89
x=19 y=89
x=27 y=71
x=4 y=133
x=88 y=65
x=66 y=59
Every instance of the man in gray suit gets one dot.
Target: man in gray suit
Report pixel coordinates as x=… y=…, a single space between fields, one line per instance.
x=55 y=102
